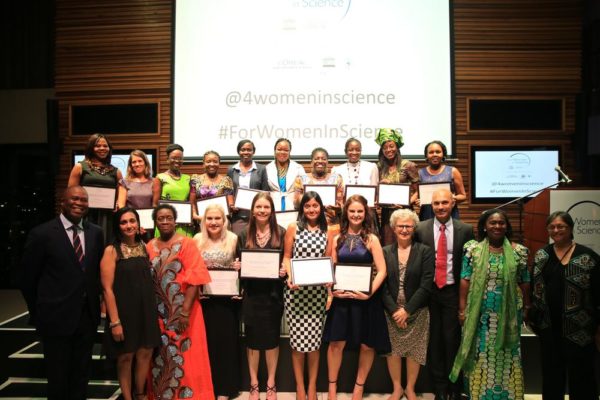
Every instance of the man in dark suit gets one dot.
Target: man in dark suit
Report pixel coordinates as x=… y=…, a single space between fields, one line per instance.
x=444 y=338
x=61 y=286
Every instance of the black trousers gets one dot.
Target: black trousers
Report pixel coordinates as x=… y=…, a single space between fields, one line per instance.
x=444 y=338
x=563 y=361
x=69 y=360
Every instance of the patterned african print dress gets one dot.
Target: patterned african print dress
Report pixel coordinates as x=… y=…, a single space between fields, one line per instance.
x=180 y=368
x=305 y=307
x=497 y=374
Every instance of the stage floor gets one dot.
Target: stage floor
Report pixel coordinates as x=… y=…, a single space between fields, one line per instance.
x=21 y=356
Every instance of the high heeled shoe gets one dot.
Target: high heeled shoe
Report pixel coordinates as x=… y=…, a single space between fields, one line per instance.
x=253 y=393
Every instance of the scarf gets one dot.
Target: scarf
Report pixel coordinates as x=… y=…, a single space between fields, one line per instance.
x=508 y=327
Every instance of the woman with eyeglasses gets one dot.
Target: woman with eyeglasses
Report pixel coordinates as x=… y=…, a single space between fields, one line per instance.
x=405 y=295
x=564 y=314
x=181 y=367
x=173 y=185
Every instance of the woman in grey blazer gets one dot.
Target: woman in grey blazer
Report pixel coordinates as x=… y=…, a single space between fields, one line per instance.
x=248 y=175
x=410 y=267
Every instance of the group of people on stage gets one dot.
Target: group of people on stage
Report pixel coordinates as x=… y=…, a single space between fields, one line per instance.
x=438 y=297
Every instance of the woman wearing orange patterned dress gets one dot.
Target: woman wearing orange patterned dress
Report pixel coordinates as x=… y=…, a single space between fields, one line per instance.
x=181 y=369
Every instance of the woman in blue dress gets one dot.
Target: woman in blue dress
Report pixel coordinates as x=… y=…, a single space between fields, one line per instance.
x=356 y=319
x=437 y=171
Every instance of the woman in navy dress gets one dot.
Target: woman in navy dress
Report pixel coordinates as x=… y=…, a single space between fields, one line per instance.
x=355 y=318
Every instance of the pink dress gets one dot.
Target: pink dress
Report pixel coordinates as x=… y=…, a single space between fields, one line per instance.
x=181 y=368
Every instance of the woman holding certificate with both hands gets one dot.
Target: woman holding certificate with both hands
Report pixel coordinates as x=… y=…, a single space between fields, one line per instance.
x=356 y=318
x=394 y=169
x=217 y=246
x=262 y=303
x=305 y=306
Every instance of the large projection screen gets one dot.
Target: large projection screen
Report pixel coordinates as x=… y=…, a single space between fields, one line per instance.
x=315 y=71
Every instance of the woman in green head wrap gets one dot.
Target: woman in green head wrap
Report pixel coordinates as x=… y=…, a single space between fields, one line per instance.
x=393 y=169
x=493 y=290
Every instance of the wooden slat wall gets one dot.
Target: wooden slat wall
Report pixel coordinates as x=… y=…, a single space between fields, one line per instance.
x=122 y=50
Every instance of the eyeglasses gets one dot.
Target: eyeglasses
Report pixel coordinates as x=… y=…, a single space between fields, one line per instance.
x=166 y=218
x=551 y=228
x=177 y=159
x=407 y=227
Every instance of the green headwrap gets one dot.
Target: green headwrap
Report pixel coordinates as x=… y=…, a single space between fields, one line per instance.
x=508 y=326
x=387 y=134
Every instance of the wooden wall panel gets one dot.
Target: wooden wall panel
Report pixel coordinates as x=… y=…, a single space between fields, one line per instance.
x=114 y=50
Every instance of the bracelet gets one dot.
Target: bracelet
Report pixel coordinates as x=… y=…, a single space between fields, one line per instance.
x=184 y=314
x=113 y=324
x=461 y=313
x=527 y=307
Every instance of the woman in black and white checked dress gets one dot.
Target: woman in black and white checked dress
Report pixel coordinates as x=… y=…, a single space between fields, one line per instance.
x=305 y=306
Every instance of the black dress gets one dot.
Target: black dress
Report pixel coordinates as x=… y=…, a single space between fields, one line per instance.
x=262 y=305
x=222 y=324
x=134 y=294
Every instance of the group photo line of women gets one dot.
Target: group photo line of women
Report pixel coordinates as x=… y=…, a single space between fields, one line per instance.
x=170 y=340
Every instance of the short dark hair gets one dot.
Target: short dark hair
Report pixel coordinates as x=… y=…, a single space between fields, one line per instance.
x=214 y=153
x=484 y=218
x=321 y=221
x=351 y=140
x=439 y=143
x=319 y=150
x=91 y=143
x=164 y=206
x=283 y=140
x=172 y=147
x=243 y=142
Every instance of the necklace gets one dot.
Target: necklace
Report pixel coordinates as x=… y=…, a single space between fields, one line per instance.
x=102 y=169
x=263 y=238
x=175 y=176
x=282 y=171
x=565 y=253
x=355 y=170
x=131 y=250
x=352 y=239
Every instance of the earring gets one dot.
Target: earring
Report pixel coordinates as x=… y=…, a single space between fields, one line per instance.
x=485 y=230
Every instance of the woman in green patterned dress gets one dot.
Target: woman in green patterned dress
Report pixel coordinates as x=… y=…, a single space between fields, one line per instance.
x=172 y=185
x=494 y=291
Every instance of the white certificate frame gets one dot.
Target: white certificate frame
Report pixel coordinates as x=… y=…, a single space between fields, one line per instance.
x=101 y=198
x=244 y=198
x=426 y=190
x=326 y=192
x=224 y=282
x=289 y=200
x=391 y=194
x=311 y=271
x=184 y=211
x=260 y=264
x=221 y=200
x=146 y=220
x=285 y=218
x=353 y=277
x=369 y=192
